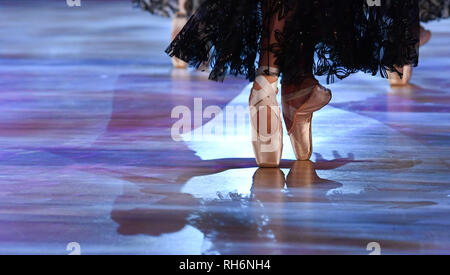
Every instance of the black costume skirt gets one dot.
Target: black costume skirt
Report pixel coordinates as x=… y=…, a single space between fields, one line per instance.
x=434 y=10
x=166 y=8
x=346 y=36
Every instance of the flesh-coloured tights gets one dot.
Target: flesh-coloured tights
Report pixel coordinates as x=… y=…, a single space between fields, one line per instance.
x=274 y=21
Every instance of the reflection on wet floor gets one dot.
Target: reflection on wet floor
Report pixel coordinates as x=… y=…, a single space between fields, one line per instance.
x=288 y=211
x=250 y=215
x=87 y=154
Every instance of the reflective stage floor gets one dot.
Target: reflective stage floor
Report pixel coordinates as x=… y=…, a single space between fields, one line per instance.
x=87 y=153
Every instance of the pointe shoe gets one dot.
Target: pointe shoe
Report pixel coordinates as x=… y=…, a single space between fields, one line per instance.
x=267 y=145
x=396 y=80
x=179 y=21
x=425 y=36
x=301 y=130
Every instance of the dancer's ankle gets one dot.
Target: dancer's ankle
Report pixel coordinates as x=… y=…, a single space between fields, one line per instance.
x=306 y=82
x=300 y=87
x=270 y=78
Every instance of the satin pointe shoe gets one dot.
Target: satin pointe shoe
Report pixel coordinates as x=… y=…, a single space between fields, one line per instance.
x=178 y=23
x=396 y=80
x=425 y=36
x=267 y=136
x=300 y=132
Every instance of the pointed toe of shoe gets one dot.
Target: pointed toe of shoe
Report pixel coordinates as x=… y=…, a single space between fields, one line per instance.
x=267 y=158
x=301 y=137
x=302 y=149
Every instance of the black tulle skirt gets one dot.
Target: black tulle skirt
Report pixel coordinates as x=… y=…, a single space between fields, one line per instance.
x=347 y=36
x=434 y=10
x=166 y=8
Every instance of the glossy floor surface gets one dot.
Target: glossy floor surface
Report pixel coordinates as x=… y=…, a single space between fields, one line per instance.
x=87 y=154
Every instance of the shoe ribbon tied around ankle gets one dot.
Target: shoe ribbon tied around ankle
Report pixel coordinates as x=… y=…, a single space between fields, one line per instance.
x=260 y=100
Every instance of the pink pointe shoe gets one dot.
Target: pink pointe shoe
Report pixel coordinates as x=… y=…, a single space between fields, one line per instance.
x=301 y=131
x=425 y=36
x=178 y=23
x=267 y=144
x=396 y=80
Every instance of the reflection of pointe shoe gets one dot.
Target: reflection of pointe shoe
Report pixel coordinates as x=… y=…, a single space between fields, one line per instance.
x=301 y=174
x=396 y=80
x=300 y=133
x=267 y=136
x=425 y=36
x=270 y=178
x=268 y=184
x=177 y=25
